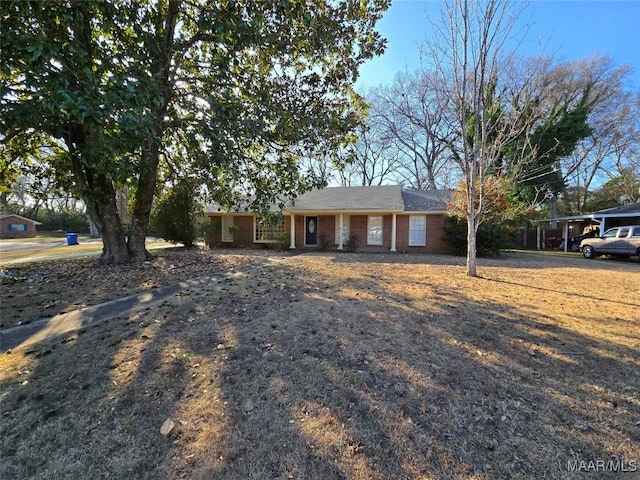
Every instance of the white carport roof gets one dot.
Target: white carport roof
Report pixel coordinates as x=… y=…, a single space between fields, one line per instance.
x=626 y=211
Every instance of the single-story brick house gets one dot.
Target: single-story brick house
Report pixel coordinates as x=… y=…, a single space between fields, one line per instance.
x=380 y=217
x=15 y=226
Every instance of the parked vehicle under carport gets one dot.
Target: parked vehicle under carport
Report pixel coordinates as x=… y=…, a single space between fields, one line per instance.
x=620 y=241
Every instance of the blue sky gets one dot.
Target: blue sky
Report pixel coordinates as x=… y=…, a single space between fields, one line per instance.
x=570 y=29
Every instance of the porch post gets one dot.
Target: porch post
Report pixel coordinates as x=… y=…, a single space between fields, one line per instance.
x=393 y=232
x=292 y=245
x=566 y=235
x=538 y=236
x=340 y=235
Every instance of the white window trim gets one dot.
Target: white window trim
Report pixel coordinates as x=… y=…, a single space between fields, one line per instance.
x=375 y=241
x=422 y=218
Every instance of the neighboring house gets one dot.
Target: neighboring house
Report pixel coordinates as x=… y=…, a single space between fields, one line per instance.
x=15 y=226
x=380 y=217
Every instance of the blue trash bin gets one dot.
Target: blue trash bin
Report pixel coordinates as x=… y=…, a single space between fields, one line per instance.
x=72 y=239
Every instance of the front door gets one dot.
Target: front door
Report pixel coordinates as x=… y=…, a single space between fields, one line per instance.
x=311 y=231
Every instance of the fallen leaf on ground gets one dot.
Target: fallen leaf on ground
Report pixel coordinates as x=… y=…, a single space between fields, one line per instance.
x=167 y=426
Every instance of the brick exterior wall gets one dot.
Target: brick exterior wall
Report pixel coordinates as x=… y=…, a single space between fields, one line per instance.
x=299 y=219
x=435 y=232
x=244 y=237
x=358 y=227
x=30 y=232
x=327 y=227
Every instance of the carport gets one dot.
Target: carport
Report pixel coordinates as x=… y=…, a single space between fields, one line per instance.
x=610 y=217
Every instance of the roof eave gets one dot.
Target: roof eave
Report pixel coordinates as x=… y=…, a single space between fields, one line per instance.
x=317 y=211
x=425 y=212
x=592 y=216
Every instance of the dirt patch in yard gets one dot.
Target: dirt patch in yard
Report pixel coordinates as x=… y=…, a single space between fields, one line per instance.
x=343 y=366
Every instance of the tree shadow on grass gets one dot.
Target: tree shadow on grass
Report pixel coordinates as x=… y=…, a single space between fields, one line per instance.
x=508 y=259
x=388 y=390
x=286 y=372
x=548 y=392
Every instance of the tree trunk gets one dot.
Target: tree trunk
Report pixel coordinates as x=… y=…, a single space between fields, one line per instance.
x=472 y=262
x=98 y=193
x=114 y=247
x=101 y=207
x=431 y=179
x=148 y=176
x=144 y=200
x=553 y=210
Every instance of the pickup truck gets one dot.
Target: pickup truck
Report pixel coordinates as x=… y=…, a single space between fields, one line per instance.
x=621 y=241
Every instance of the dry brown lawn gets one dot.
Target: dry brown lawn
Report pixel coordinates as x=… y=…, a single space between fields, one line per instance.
x=335 y=366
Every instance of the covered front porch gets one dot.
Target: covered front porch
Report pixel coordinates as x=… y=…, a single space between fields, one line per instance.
x=372 y=229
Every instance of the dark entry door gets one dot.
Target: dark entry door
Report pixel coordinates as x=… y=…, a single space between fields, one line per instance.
x=311 y=231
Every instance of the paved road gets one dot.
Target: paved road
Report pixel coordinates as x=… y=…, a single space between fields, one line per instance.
x=7 y=245
x=37 y=251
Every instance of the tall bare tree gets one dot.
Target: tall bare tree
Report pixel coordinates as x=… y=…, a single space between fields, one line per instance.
x=615 y=132
x=412 y=114
x=473 y=61
x=373 y=158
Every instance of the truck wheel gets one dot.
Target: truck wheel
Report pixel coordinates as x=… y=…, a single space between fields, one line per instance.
x=588 y=252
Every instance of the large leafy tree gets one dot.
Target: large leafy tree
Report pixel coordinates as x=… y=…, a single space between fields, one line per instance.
x=237 y=89
x=609 y=151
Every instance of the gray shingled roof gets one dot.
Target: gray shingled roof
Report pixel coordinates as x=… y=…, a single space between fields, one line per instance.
x=382 y=198
x=245 y=207
x=631 y=208
x=426 y=200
